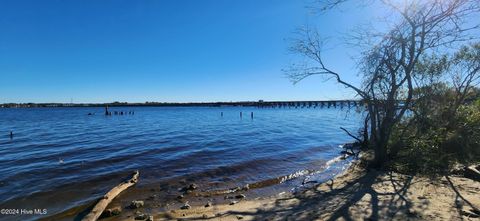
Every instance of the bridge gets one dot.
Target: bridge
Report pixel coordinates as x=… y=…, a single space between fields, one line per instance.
x=295 y=104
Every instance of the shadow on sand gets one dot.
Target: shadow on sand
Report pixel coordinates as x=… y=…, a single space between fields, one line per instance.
x=342 y=199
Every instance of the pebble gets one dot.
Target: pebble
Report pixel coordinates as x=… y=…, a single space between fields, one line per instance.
x=140 y=216
x=240 y=196
x=209 y=204
x=205 y=216
x=150 y=218
x=459 y=202
x=112 y=211
x=233 y=202
x=181 y=196
x=137 y=204
x=239 y=217
x=188 y=189
x=186 y=206
x=192 y=186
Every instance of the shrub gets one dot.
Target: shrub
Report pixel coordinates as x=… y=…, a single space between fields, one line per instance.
x=434 y=144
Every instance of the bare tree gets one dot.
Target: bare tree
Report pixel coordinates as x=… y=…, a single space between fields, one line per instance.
x=389 y=66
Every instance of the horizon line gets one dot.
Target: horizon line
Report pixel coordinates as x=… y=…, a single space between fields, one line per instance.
x=180 y=102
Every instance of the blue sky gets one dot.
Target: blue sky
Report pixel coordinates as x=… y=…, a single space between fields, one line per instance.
x=176 y=50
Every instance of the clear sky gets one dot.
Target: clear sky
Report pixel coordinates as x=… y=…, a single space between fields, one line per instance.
x=159 y=50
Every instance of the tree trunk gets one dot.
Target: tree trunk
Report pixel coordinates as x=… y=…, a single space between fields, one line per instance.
x=380 y=154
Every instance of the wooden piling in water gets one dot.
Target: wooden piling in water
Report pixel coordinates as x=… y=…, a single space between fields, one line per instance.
x=251 y=115
x=240 y=114
x=221 y=114
x=11 y=135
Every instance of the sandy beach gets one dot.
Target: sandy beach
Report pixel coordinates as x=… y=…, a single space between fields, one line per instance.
x=357 y=194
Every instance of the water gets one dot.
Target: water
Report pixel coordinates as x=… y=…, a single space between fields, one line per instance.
x=62 y=158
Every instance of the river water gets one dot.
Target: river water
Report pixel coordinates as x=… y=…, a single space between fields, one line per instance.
x=60 y=159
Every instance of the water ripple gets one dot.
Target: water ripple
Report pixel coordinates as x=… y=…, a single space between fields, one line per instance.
x=64 y=151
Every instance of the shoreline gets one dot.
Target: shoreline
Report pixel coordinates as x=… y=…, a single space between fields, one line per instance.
x=257 y=208
x=355 y=194
x=250 y=197
x=161 y=198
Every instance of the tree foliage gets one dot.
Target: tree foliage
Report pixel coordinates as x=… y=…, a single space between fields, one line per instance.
x=401 y=66
x=444 y=128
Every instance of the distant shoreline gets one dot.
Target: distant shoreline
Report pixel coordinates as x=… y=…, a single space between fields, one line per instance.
x=259 y=103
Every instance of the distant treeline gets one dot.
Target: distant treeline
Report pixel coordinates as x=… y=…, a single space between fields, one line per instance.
x=188 y=104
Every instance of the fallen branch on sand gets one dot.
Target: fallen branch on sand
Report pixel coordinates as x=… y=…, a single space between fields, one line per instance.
x=472 y=172
x=107 y=198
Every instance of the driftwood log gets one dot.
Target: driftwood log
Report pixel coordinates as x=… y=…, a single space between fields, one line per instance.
x=107 y=198
x=472 y=172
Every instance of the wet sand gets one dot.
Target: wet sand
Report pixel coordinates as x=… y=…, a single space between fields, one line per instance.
x=357 y=194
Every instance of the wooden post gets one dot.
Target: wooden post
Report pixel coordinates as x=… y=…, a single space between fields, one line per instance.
x=106 y=110
x=221 y=114
x=240 y=114
x=11 y=135
x=251 y=115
